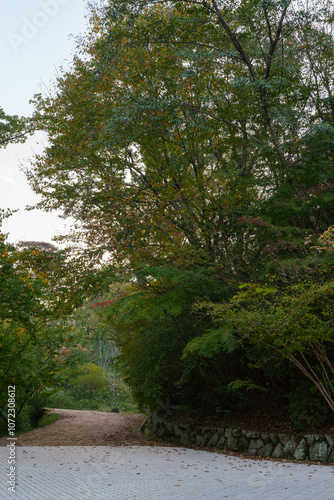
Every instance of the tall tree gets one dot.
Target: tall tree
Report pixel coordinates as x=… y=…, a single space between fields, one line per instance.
x=148 y=175
x=29 y=335
x=194 y=137
x=179 y=124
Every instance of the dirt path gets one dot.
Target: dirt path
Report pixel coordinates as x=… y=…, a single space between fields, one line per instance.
x=87 y=428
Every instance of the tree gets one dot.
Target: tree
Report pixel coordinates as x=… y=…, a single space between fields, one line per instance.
x=194 y=137
x=39 y=287
x=29 y=335
x=152 y=322
x=12 y=129
x=148 y=178
x=294 y=322
x=170 y=163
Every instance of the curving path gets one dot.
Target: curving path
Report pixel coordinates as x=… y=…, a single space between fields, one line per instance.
x=90 y=428
x=143 y=470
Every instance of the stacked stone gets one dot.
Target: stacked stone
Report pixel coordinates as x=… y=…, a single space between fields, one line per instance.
x=312 y=447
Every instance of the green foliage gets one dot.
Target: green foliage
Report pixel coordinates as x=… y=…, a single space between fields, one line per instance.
x=61 y=398
x=193 y=145
x=295 y=322
x=211 y=343
x=12 y=129
x=118 y=397
x=30 y=336
x=246 y=385
x=90 y=381
x=184 y=134
x=88 y=375
x=152 y=322
x=306 y=407
x=37 y=409
x=24 y=424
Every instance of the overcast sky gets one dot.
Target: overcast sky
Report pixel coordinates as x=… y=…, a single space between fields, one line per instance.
x=35 y=40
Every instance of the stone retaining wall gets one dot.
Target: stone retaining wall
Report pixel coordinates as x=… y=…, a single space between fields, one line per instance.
x=263 y=444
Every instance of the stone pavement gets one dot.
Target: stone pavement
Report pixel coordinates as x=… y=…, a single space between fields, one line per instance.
x=158 y=473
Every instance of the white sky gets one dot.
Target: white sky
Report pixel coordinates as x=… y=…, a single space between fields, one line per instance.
x=34 y=42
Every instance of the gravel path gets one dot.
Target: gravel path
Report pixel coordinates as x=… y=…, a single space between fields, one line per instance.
x=89 y=428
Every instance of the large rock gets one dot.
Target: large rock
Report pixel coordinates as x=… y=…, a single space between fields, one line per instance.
x=330 y=441
x=213 y=440
x=192 y=437
x=205 y=430
x=178 y=431
x=284 y=438
x=168 y=431
x=228 y=433
x=255 y=445
x=154 y=426
x=278 y=451
x=251 y=434
x=301 y=452
x=207 y=438
x=274 y=438
x=199 y=440
x=222 y=443
x=319 y=451
x=310 y=438
x=266 y=451
x=243 y=444
x=236 y=433
x=231 y=444
x=290 y=447
x=184 y=439
x=160 y=430
x=266 y=437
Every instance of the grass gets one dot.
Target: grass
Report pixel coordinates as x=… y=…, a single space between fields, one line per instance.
x=49 y=419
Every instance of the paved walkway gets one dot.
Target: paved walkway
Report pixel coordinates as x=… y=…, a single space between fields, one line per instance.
x=157 y=473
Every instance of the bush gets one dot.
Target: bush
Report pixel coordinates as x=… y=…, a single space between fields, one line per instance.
x=306 y=407
x=36 y=409
x=90 y=383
